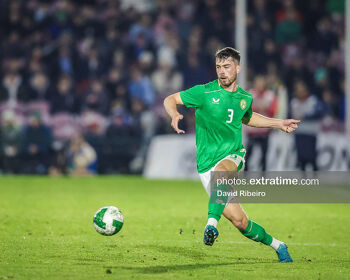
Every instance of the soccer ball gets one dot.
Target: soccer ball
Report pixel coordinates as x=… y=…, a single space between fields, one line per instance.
x=108 y=220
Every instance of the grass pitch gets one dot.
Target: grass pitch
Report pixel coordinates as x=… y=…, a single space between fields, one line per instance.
x=46 y=232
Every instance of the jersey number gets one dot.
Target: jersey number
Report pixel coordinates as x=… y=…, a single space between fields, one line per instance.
x=230 y=115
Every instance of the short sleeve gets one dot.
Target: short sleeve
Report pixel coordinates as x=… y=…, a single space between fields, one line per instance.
x=193 y=97
x=248 y=114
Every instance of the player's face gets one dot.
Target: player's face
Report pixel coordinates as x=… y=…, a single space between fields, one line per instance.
x=227 y=70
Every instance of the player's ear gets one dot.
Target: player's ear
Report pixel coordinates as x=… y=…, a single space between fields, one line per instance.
x=238 y=68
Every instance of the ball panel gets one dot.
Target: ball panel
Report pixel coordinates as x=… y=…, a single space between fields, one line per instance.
x=99 y=218
x=117 y=225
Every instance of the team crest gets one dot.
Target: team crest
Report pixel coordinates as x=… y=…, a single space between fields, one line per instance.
x=243 y=104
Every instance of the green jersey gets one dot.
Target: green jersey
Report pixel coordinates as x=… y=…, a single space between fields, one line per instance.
x=219 y=115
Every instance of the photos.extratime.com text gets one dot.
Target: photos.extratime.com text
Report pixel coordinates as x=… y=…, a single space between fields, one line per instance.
x=268 y=181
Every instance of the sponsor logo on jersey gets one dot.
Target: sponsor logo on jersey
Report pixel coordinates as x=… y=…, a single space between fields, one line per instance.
x=216 y=101
x=243 y=104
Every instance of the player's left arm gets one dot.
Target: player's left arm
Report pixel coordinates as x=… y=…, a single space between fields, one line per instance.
x=261 y=121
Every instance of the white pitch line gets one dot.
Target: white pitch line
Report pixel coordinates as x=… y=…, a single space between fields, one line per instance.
x=290 y=243
x=253 y=243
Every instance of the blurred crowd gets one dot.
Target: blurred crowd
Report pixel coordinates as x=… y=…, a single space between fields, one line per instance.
x=82 y=83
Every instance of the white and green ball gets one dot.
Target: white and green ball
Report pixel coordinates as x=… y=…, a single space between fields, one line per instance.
x=108 y=220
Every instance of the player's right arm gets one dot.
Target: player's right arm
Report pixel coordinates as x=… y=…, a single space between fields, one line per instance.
x=170 y=105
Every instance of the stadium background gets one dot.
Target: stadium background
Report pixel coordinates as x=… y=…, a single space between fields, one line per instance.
x=101 y=69
x=81 y=90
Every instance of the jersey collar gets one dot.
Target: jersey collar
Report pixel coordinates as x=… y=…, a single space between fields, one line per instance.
x=229 y=92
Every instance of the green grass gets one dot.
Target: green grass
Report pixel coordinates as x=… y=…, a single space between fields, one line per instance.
x=46 y=232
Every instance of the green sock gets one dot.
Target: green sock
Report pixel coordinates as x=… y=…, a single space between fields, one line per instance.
x=257 y=233
x=217 y=202
x=215 y=210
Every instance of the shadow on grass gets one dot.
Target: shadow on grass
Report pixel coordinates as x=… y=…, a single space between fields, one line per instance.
x=169 y=268
x=172 y=268
x=175 y=250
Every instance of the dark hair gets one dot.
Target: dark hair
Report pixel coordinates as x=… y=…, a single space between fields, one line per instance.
x=228 y=52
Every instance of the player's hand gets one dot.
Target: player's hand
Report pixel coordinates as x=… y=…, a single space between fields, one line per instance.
x=175 y=123
x=289 y=125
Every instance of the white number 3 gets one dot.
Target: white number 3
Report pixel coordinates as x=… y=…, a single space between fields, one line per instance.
x=230 y=115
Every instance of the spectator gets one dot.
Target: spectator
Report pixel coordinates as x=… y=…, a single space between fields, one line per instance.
x=141 y=87
x=335 y=6
x=186 y=18
x=265 y=103
x=63 y=99
x=10 y=142
x=309 y=110
x=94 y=130
x=58 y=165
x=145 y=62
x=82 y=159
x=289 y=29
x=39 y=87
x=36 y=145
x=93 y=64
x=270 y=54
x=97 y=98
x=12 y=89
x=65 y=61
x=276 y=85
x=121 y=142
x=296 y=71
x=331 y=102
x=145 y=121
x=288 y=6
x=166 y=78
x=324 y=40
x=142 y=26
x=320 y=81
x=194 y=71
x=121 y=97
x=114 y=79
x=164 y=25
x=259 y=29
